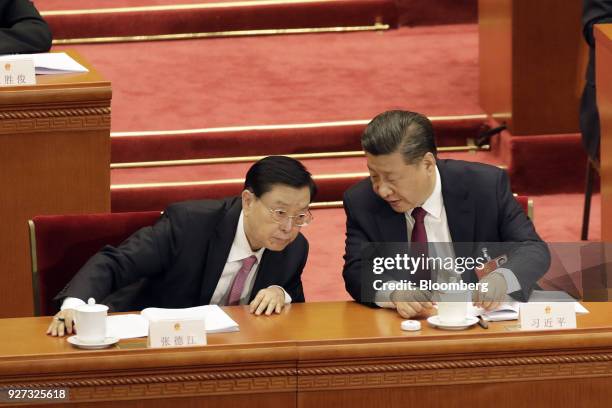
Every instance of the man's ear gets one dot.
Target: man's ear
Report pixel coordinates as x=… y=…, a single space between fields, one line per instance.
x=429 y=161
x=247 y=200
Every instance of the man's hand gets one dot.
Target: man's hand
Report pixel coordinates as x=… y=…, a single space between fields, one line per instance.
x=410 y=303
x=268 y=300
x=495 y=294
x=62 y=323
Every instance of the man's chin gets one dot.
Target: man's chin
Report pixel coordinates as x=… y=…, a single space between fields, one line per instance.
x=277 y=244
x=398 y=206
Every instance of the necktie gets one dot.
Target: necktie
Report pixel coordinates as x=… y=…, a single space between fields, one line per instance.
x=418 y=241
x=240 y=279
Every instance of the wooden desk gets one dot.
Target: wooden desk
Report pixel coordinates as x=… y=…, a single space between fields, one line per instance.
x=338 y=354
x=54 y=159
x=603 y=71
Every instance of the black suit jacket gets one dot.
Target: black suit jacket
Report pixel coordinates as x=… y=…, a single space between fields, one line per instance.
x=479 y=208
x=177 y=262
x=22 y=29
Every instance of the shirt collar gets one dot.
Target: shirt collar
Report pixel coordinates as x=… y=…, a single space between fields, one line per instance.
x=433 y=204
x=240 y=247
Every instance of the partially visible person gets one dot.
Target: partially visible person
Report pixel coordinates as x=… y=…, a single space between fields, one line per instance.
x=22 y=29
x=593 y=12
x=237 y=251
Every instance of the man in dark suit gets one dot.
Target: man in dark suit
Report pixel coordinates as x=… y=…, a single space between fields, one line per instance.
x=242 y=250
x=410 y=193
x=22 y=29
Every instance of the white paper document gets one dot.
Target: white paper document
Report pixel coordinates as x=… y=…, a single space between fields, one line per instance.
x=51 y=63
x=215 y=319
x=137 y=325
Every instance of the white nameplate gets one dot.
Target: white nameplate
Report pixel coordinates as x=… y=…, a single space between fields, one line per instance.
x=547 y=316
x=17 y=71
x=176 y=333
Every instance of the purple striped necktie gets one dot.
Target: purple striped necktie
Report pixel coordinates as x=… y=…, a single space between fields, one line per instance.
x=240 y=279
x=418 y=241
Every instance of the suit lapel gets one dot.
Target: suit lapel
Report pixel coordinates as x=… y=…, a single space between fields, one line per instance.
x=218 y=250
x=459 y=206
x=392 y=225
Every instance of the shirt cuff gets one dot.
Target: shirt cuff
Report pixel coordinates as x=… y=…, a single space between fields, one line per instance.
x=288 y=298
x=382 y=298
x=511 y=281
x=71 y=303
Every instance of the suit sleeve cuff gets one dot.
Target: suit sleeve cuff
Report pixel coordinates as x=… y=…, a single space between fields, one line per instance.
x=71 y=303
x=288 y=298
x=511 y=281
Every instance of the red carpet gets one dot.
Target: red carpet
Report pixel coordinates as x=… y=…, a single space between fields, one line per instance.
x=557 y=219
x=266 y=140
x=212 y=17
x=289 y=79
x=238 y=170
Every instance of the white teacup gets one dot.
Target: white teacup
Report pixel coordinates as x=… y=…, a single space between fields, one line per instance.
x=91 y=322
x=453 y=306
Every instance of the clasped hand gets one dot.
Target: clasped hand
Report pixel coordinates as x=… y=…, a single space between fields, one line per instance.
x=412 y=303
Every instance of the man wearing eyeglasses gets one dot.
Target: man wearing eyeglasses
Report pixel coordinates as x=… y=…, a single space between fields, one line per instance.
x=236 y=251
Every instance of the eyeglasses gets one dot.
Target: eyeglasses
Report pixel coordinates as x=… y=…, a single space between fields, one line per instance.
x=281 y=216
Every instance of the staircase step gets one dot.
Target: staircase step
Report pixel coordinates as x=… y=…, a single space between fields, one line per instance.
x=96 y=19
x=130 y=147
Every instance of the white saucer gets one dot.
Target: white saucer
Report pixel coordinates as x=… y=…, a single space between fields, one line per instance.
x=109 y=341
x=469 y=321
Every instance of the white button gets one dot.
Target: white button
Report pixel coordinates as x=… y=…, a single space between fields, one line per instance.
x=411 y=325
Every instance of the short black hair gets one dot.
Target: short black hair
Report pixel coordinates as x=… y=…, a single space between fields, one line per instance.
x=273 y=170
x=409 y=132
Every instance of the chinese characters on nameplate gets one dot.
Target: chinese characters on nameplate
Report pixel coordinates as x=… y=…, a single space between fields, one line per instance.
x=547 y=316
x=177 y=333
x=17 y=71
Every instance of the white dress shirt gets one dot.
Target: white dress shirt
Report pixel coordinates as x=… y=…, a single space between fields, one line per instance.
x=436 y=227
x=240 y=250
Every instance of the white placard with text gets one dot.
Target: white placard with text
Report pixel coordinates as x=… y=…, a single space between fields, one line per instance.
x=17 y=71
x=177 y=333
x=547 y=315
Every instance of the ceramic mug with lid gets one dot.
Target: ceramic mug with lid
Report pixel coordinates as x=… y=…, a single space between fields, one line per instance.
x=91 y=322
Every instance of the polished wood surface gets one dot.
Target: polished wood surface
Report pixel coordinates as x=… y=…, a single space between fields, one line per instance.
x=532 y=59
x=603 y=71
x=328 y=354
x=54 y=159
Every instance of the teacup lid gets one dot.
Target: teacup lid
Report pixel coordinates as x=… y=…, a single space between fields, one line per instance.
x=91 y=306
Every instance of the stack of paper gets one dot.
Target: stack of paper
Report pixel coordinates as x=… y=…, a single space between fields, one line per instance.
x=130 y=326
x=51 y=63
x=215 y=319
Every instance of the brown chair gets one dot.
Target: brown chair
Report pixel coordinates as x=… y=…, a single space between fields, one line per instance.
x=526 y=203
x=61 y=244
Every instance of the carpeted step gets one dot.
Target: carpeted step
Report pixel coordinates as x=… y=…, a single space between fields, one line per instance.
x=155 y=188
x=129 y=18
x=129 y=147
x=289 y=79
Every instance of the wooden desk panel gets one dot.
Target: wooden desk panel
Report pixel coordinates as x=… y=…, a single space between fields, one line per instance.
x=54 y=159
x=328 y=354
